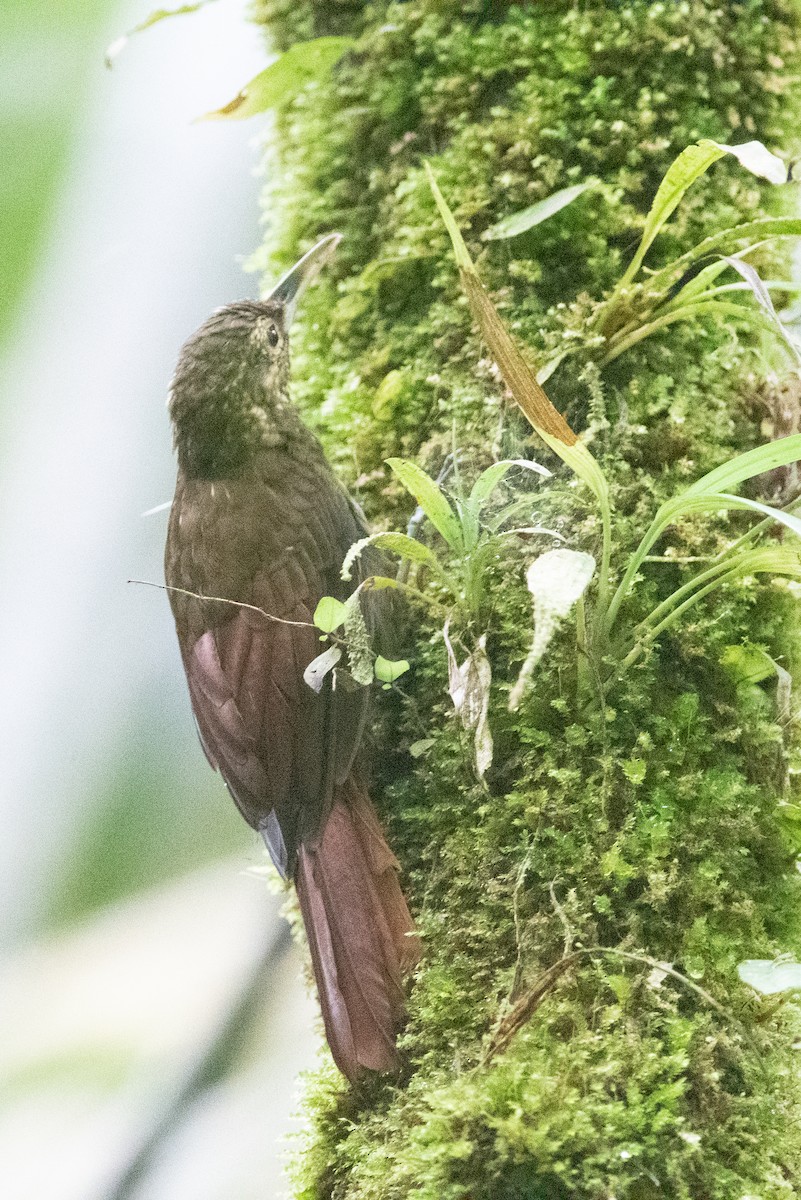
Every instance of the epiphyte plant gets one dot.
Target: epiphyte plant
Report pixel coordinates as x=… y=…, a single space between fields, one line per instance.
x=456 y=566
x=603 y=639
x=691 y=287
x=633 y=311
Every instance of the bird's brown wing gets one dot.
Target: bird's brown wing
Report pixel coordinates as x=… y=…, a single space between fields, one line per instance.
x=280 y=747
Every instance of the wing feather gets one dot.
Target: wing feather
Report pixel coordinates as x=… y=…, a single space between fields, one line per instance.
x=277 y=544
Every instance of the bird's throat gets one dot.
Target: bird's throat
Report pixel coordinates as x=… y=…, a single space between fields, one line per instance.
x=221 y=443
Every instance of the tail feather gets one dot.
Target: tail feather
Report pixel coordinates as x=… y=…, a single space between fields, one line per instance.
x=359 y=930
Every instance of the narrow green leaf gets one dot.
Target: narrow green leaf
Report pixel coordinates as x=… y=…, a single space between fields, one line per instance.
x=751 y=232
x=776 y=514
x=773 y=285
x=710 y=493
x=387 y=670
x=460 y=252
x=518 y=376
x=398 y=543
x=681 y=175
x=708 y=502
x=697 y=286
x=329 y=614
x=745 y=466
x=769 y=977
x=668 y=315
x=301 y=64
x=431 y=499
x=489 y=479
x=689 y=166
x=527 y=392
x=527 y=218
x=159 y=14
x=770 y=560
x=522 y=383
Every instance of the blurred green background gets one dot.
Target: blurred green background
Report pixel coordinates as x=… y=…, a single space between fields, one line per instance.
x=130 y=927
x=45 y=50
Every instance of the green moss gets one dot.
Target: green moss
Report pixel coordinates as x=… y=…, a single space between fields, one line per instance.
x=660 y=826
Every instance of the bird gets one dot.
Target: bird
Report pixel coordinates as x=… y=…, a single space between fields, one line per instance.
x=258 y=530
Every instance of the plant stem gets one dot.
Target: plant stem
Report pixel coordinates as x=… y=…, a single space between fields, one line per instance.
x=686 y=313
x=583 y=682
x=603 y=575
x=651 y=536
x=767 y=227
x=649 y=634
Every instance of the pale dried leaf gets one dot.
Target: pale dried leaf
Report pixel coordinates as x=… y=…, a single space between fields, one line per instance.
x=757 y=159
x=318 y=668
x=556 y=580
x=469 y=689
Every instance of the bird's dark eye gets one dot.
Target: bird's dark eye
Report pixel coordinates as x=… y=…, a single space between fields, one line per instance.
x=273 y=335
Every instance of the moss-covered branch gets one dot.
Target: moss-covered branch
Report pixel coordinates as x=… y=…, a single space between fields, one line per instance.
x=657 y=820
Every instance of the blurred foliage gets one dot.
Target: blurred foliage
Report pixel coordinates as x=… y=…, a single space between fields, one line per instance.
x=147 y=826
x=44 y=52
x=664 y=820
x=142 y=822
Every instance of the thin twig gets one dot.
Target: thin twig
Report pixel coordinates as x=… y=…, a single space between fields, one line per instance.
x=525 y=1008
x=521 y=878
x=528 y=1004
x=560 y=912
x=165 y=587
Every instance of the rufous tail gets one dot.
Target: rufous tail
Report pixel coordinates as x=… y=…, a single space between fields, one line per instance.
x=360 y=934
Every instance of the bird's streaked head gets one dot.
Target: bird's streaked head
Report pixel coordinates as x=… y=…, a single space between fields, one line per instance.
x=230 y=393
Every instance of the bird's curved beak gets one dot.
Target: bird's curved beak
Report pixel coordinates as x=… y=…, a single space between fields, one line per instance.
x=290 y=287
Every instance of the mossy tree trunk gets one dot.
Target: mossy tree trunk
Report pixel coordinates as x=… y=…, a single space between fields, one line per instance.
x=655 y=826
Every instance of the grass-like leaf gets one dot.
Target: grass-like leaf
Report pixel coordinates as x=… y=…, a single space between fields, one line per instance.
x=301 y=64
x=399 y=543
x=489 y=479
x=711 y=493
x=771 y=560
x=745 y=466
x=432 y=500
x=700 y=285
x=522 y=383
x=776 y=514
x=689 y=166
x=681 y=175
x=527 y=218
x=744 y=238
x=699 y=307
